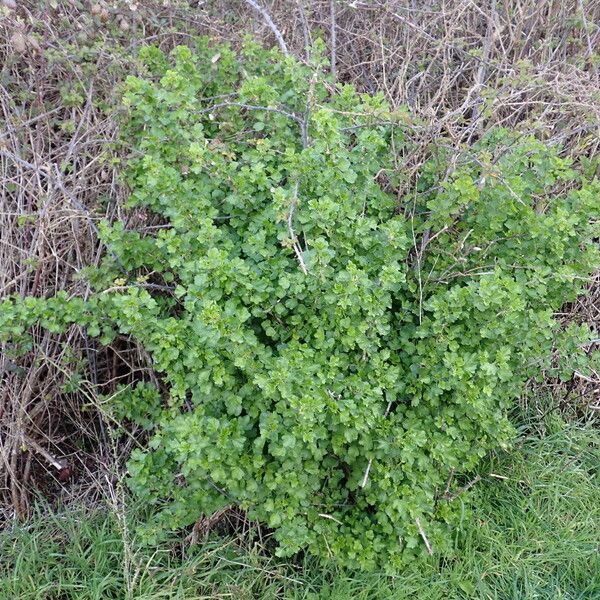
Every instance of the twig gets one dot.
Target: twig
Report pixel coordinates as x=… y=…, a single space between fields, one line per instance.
x=590 y=48
x=305 y=31
x=368 y=469
x=463 y=489
x=333 y=37
x=422 y=533
x=265 y=15
x=330 y=517
x=448 y=484
x=57 y=464
x=37 y=118
x=293 y=237
x=504 y=478
x=366 y=475
x=482 y=70
x=585 y=377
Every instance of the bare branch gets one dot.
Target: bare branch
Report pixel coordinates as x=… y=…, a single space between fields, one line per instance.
x=448 y=496
x=57 y=464
x=333 y=37
x=267 y=18
x=422 y=533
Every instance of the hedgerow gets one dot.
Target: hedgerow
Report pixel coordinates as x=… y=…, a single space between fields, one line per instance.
x=333 y=354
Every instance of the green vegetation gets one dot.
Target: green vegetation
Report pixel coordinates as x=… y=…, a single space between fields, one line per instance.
x=333 y=356
x=532 y=535
x=319 y=305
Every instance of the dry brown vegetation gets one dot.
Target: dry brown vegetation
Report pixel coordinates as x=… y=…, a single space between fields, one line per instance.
x=460 y=66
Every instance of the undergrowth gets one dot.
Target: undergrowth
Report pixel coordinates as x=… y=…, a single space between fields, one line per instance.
x=332 y=353
x=534 y=535
x=528 y=531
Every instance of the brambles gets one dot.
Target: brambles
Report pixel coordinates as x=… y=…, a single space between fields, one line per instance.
x=332 y=357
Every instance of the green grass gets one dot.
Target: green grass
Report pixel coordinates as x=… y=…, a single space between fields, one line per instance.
x=535 y=535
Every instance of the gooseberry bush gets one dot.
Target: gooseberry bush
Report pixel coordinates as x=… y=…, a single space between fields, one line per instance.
x=333 y=351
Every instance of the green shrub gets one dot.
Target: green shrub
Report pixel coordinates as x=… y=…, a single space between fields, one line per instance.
x=332 y=353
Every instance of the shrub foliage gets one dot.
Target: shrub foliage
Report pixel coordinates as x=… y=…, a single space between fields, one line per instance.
x=332 y=353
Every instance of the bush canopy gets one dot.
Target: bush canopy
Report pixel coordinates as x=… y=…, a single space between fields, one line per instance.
x=337 y=356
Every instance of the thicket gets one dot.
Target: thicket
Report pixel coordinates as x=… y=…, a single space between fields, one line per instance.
x=334 y=357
